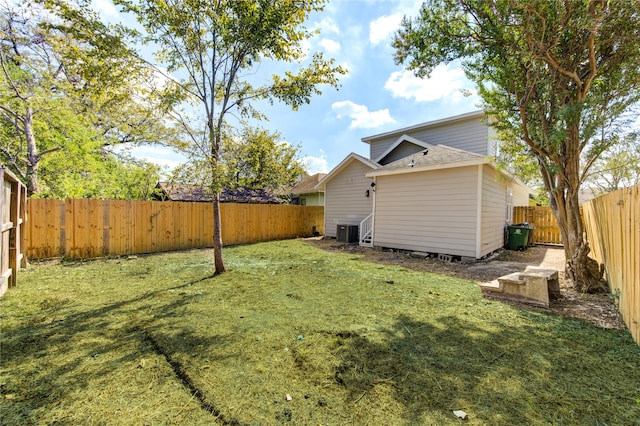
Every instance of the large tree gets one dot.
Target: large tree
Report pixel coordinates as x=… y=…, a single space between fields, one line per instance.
x=259 y=159
x=250 y=157
x=556 y=74
x=214 y=48
x=24 y=91
x=65 y=80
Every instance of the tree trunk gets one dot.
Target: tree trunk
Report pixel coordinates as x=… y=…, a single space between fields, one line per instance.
x=217 y=237
x=33 y=159
x=563 y=196
x=583 y=271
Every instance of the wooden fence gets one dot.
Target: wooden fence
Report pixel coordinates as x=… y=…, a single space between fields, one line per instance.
x=612 y=223
x=547 y=231
x=80 y=229
x=13 y=196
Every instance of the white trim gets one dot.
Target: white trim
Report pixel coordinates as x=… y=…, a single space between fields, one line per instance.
x=509 y=203
x=479 y=113
x=479 y=213
x=403 y=138
x=344 y=163
x=440 y=166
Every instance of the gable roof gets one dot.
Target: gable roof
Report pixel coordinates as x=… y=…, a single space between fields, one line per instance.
x=398 y=142
x=440 y=157
x=183 y=192
x=307 y=185
x=434 y=158
x=470 y=115
x=344 y=163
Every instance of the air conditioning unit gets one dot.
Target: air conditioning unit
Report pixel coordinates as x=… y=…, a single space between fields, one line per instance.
x=347 y=233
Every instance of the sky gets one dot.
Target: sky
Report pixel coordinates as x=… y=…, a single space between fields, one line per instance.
x=376 y=95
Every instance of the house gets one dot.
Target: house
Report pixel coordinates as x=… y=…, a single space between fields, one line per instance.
x=168 y=191
x=305 y=193
x=431 y=188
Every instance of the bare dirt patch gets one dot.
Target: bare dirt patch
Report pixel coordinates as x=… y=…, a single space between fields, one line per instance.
x=598 y=309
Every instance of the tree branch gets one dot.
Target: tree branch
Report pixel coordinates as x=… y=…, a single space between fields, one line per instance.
x=593 y=68
x=48 y=151
x=12 y=85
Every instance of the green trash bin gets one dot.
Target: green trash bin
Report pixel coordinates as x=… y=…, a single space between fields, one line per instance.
x=518 y=237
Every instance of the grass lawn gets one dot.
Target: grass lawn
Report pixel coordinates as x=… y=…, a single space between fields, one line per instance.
x=157 y=340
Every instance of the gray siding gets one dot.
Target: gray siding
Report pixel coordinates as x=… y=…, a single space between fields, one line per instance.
x=470 y=135
x=432 y=211
x=345 y=202
x=401 y=151
x=379 y=147
x=492 y=146
x=494 y=211
x=520 y=194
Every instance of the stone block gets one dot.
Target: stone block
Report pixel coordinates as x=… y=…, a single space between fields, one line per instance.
x=419 y=254
x=535 y=286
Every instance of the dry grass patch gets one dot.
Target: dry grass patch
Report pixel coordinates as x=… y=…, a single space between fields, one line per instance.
x=157 y=340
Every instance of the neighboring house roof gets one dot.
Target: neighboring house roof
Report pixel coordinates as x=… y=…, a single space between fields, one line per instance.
x=434 y=158
x=434 y=123
x=399 y=141
x=344 y=163
x=183 y=192
x=253 y=196
x=307 y=185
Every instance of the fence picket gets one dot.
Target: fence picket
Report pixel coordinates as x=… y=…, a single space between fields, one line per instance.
x=547 y=231
x=612 y=224
x=79 y=229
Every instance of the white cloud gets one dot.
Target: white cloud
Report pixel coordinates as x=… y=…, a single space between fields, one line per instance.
x=444 y=82
x=162 y=156
x=331 y=46
x=347 y=66
x=327 y=25
x=409 y=8
x=361 y=117
x=305 y=47
x=315 y=165
x=163 y=162
x=383 y=27
x=105 y=8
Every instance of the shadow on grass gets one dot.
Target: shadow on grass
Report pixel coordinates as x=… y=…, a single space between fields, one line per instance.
x=93 y=344
x=526 y=368
x=498 y=375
